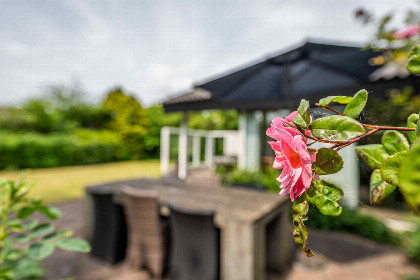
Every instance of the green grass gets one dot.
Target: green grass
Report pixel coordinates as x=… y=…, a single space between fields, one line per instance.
x=67 y=183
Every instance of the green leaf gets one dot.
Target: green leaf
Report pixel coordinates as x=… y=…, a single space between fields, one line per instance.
x=56 y=235
x=302 y=118
x=391 y=168
x=412 y=122
x=50 y=212
x=410 y=177
x=374 y=155
x=394 y=142
x=73 y=244
x=413 y=65
x=379 y=189
x=327 y=162
x=337 y=99
x=337 y=128
x=25 y=212
x=357 y=104
x=300 y=233
x=40 y=251
x=418 y=128
x=30 y=224
x=414 y=60
x=324 y=195
x=41 y=230
x=22 y=238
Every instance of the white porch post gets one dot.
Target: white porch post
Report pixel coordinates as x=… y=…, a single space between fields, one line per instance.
x=253 y=141
x=242 y=141
x=196 y=150
x=164 y=150
x=348 y=177
x=209 y=150
x=183 y=148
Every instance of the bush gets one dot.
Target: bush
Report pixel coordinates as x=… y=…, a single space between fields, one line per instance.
x=353 y=222
x=411 y=243
x=257 y=179
x=32 y=150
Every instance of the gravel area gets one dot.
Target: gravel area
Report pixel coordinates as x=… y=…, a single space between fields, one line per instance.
x=337 y=256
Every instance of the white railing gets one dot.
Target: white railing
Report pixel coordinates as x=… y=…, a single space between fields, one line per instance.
x=232 y=146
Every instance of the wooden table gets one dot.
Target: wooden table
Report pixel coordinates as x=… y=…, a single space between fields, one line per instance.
x=255 y=227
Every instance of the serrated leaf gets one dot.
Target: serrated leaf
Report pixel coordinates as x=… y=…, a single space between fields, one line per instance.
x=394 y=142
x=302 y=118
x=327 y=162
x=357 y=104
x=50 y=212
x=325 y=196
x=390 y=169
x=336 y=128
x=337 y=99
x=73 y=244
x=410 y=177
x=379 y=189
x=374 y=155
x=300 y=233
x=412 y=122
x=39 y=251
x=41 y=230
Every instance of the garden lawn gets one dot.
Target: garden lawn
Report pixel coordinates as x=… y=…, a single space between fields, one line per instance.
x=67 y=183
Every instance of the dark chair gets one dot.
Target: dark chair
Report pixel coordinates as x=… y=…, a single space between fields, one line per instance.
x=195 y=250
x=147 y=231
x=106 y=225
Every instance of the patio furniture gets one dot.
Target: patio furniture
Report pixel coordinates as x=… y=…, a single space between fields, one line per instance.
x=146 y=231
x=195 y=251
x=106 y=227
x=255 y=229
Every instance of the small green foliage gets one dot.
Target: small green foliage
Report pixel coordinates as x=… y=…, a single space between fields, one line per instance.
x=413 y=64
x=418 y=128
x=24 y=242
x=337 y=99
x=391 y=167
x=300 y=233
x=357 y=104
x=327 y=162
x=379 y=189
x=412 y=122
x=325 y=196
x=302 y=118
x=409 y=177
x=394 y=142
x=374 y=154
x=73 y=244
x=40 y=251
x=337 y=128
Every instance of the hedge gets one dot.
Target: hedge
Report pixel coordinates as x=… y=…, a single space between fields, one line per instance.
x=31 y=150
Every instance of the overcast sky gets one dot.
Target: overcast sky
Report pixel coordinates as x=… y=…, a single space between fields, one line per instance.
x=157 y=48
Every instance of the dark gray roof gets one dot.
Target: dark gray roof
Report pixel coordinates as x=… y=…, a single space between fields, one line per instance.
x=307 y=71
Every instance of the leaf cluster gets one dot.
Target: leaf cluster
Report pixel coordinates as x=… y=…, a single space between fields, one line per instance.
x=24 y=241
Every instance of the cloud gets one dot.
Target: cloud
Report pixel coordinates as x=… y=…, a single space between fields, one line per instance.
x=156 y=48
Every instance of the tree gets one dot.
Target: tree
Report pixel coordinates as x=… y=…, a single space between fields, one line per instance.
x=128 y=119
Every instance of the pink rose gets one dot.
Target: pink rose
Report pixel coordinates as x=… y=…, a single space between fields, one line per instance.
x=291 y=155
x=407 y=32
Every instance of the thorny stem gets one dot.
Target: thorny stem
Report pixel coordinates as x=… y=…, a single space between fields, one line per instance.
x=378 y=127
x=340 y=146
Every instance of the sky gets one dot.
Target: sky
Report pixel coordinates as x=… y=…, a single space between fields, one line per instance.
x=155 y=48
